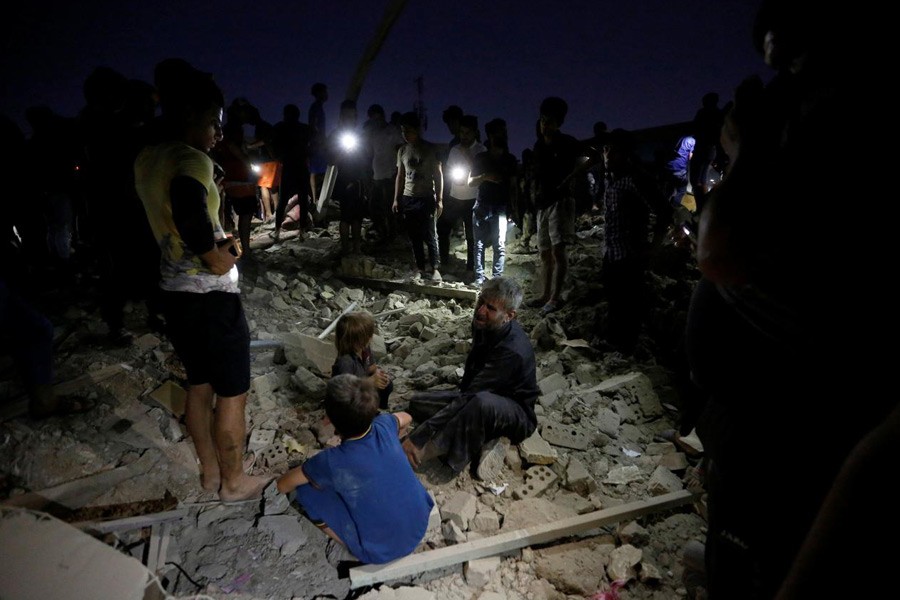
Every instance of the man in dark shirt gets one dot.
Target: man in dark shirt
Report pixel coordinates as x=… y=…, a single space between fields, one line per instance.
x=555 y=158
x=291 y=145
x=498 y=390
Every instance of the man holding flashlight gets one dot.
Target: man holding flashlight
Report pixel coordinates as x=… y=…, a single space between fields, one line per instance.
x=461 y=200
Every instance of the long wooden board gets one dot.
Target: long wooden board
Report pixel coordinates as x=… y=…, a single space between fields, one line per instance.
x=504 y=542
x=413 y=288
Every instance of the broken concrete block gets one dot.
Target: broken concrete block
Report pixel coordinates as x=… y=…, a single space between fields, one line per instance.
x=478 y=572
x=622 y=562
x=452 y=533
x=608 y=422
x=260 y=438
x=460 y=508
x=486 y=522
x=274 y=456
x=623 y=475
x=287 y=532
x=632 y=533
x=552 y=383
x=537 y=481
x=578 y=479
x=567 y=436
x=536 y=451
x=663 y=481
x=674 y=461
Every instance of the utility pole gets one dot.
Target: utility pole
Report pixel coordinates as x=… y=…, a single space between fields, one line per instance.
x=419 y=106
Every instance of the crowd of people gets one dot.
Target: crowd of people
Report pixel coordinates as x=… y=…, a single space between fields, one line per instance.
x=766 y=337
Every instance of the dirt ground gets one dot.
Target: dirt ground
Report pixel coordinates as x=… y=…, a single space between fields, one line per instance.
x=612 y=406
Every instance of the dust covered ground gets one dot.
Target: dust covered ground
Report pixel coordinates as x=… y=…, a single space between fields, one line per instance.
x=595 y=447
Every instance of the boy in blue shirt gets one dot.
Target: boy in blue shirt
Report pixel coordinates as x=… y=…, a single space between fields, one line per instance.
x=363 y=493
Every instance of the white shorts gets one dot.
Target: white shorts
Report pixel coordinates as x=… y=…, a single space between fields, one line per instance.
x=556 y=224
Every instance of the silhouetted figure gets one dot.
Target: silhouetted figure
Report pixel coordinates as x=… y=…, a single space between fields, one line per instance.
x=384 y=139
x=460 y=198
x=291 y=144
x=348 y=154
x=783 y=316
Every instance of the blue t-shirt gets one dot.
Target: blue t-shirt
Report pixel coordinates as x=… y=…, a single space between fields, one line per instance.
x=387 y=503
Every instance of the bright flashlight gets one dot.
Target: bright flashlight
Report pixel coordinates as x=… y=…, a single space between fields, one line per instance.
x=255 y=168
x=349 y=141
x=458 y=174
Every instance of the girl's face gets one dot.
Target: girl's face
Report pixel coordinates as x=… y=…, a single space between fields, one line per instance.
x=204 y=129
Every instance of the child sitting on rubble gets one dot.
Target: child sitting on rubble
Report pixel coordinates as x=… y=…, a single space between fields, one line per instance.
x=353 y=339
x=362 y=493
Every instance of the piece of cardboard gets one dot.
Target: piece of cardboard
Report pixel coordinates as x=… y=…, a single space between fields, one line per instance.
x=43 y=557
x=172 y=396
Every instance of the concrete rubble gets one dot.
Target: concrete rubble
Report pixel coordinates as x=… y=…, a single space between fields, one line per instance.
x=594 y=447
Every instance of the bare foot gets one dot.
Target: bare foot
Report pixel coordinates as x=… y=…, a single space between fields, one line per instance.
x=210 y=481
x=413 y=453
x=246 y=487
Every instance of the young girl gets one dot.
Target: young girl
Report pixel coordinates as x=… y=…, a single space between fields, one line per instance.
x=353 y=338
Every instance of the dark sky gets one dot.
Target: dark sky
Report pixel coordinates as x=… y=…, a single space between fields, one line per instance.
x=631 y=63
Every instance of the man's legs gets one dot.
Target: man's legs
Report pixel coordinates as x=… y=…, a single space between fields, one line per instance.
x=498 y=232
x=230 y=434
x=198 y=416
x=415 y=228
x=560 y=270
x=218 y=437
x=461 y=428
x=467 y=208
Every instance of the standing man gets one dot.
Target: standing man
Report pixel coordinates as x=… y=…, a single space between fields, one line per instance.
x=555 y=157
x=384 y=140
x=291 y=144
x=631 y=196
x=495 y=176
x=419 y=194
x=346 y=152
x=461 y=200
x=496 y=395
x=204 y=317
x=318 y=148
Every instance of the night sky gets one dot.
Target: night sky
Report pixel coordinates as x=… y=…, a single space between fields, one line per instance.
x=633 y=64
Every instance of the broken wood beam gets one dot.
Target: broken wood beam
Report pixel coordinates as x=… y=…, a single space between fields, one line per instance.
x=498 y=544
x=110 y=512
x=413 y=288
x=130 y=523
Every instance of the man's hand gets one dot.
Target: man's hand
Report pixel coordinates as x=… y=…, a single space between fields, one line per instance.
x=439 y=208
x=220 y=260
x=413 y=453
x=395 y=207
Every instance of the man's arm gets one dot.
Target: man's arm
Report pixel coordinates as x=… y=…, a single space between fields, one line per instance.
x=193 y=224
x=398 y=187
x=500 y=374
x=439 y=190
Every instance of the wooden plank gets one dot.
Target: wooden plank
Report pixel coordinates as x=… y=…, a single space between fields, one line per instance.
x=413 y=288
x=80 y=492
x=504 y=542
x=158 y=545
x=110 y=512
x=20 y=407
x=130 y=523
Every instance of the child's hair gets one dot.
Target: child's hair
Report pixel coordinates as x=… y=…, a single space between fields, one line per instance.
x=353 y=332
x=351 y=403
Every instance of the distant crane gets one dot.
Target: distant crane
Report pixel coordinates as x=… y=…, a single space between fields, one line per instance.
x=391 y=13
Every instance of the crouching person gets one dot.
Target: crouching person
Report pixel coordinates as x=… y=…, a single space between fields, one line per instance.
x=362 y=493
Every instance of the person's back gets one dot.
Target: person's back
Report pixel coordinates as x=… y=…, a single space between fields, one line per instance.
x=363 y=491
